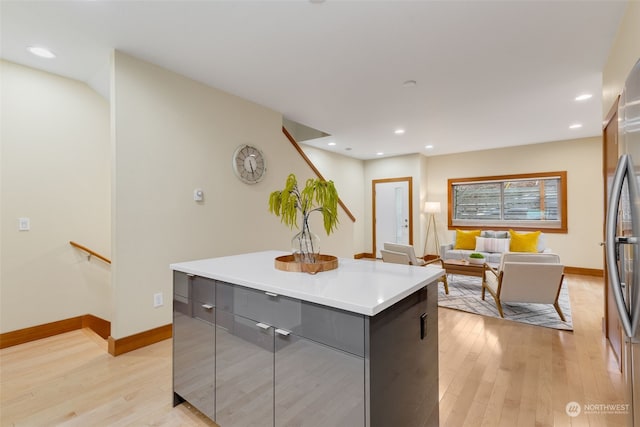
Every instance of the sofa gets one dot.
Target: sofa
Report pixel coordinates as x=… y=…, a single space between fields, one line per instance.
x=492 y=244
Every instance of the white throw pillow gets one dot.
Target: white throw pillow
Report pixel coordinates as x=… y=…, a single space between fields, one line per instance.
x=493 y=245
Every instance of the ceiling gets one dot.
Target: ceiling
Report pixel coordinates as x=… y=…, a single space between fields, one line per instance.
x=488 y=73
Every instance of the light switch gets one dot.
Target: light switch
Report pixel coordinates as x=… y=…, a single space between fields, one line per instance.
x=198 y=195
x=24 y=224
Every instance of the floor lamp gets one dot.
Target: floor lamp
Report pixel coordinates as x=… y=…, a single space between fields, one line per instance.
x=432 y=208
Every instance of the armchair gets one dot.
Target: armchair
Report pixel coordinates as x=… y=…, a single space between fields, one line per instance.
x=395 y=257
x=404 y=254
x=525 y=277
x=407 y=249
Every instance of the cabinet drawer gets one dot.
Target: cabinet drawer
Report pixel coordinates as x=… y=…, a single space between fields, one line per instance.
x=180 y=286
x=333 y=327
x=204 y=290
x=274 y=310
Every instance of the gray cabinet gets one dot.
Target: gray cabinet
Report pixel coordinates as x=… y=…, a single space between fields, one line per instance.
x=402 y=351
x=320 y=369
x=246 y=357
x=306 y=358
x=317 y=385
x=244 y=372
x=194 y=342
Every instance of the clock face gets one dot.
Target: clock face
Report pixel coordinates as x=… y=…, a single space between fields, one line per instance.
x=249 y=164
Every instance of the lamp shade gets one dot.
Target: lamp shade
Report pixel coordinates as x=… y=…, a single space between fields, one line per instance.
x=432 y=207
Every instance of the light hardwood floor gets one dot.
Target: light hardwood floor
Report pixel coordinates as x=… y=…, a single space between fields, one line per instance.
x=492 y=373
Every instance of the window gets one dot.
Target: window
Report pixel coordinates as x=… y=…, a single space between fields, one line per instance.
x=526 y=202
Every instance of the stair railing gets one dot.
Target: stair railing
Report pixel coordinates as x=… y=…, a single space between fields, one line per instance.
x=90 y=252
x=313 y=167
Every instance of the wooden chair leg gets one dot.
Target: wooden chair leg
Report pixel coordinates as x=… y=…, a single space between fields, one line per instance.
x=499 y=307
x=495 y=298
x=446 y=284
x=557 y=307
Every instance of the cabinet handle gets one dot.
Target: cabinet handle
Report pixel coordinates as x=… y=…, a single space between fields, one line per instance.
x=423 y=329
x=282 y=332
x=207 y=306
x=263 y=326
x=271 y=294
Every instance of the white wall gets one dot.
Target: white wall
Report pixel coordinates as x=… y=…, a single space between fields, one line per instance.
x=625 y=52
x=55 y=171
x=581 y=158
x=348 y=176
x=172 y=135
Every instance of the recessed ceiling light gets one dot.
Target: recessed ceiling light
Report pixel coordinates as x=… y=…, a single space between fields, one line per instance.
x=398 y=131
x=409 y=83
x=379 y=153
x=42 y=52
x=331 y=144
x=583 y=97
x=575 y=126
x=428 y=147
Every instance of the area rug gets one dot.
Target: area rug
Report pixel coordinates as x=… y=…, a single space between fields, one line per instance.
x=465 y=294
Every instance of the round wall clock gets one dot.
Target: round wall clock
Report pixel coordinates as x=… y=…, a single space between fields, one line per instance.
x=249 y=164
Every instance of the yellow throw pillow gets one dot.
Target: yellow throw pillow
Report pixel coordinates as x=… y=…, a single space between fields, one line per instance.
x=524 y=242
x=466 y=239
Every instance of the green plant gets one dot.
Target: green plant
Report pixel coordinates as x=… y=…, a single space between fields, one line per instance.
x=316 y=196
x=476 y=255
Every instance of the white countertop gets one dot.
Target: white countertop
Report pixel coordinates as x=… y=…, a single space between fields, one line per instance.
x=360 y=286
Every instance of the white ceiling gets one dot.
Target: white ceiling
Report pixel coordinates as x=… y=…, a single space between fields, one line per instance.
x=489 y=73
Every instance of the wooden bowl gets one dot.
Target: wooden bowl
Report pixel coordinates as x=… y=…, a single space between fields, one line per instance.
x=324 y=263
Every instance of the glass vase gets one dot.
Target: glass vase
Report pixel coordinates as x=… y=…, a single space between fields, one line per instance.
x=305 y=245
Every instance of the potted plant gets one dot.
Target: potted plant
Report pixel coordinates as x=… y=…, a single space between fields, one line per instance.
x=476 y=258
x=316 y=196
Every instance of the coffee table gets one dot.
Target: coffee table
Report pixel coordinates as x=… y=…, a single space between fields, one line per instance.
x=461 y=266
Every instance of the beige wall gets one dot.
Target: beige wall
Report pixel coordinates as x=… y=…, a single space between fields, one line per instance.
x=624 y=53
x=432 y=246
x=581 y=158
x=348 y=175
x=172 y=135
x=394 y=167
x=56 y=171
x=354 y=180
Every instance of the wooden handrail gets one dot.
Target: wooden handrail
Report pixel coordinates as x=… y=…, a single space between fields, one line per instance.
x=313 y=167
x=90 y=252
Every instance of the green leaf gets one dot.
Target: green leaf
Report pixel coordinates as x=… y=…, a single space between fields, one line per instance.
x=317 y=195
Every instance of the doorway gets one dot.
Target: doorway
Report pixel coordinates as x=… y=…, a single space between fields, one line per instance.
x=392 y=212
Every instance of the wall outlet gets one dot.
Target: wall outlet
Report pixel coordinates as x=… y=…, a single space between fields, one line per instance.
x=157 y=300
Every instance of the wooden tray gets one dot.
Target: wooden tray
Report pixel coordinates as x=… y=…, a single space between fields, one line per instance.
x=288 y=263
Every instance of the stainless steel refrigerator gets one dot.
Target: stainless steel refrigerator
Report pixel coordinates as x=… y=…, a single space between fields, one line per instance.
x=623 y=238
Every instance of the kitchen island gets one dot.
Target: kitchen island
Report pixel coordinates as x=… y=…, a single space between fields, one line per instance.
x=354 y=346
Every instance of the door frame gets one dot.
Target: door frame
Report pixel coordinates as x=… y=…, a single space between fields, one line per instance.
x=407 y=179
x=612 y=332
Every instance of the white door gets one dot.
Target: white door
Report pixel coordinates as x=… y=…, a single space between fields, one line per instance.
x=391 y=213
